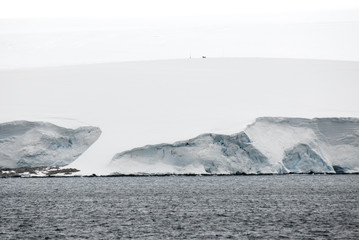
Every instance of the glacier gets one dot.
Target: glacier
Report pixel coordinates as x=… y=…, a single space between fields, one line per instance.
x=35 y=144
x=171 y=100
x=270 y=145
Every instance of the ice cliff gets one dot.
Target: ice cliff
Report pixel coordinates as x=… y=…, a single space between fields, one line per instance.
x=308 y=145
x=208 y=153
x=269 y=145
x=33 y=144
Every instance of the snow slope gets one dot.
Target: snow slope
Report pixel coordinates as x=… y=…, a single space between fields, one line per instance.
x=269 y=145
x=34 y=144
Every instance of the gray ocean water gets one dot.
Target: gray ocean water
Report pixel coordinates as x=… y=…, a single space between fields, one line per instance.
x=216 y=207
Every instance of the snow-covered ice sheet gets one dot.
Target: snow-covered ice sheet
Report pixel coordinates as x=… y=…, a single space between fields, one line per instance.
x=150 y=102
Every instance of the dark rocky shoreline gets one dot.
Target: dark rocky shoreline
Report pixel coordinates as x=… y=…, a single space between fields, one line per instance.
x=34 y=171
x=51 y=172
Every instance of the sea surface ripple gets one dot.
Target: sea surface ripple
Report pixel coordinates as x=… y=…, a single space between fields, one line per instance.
x=179 y=207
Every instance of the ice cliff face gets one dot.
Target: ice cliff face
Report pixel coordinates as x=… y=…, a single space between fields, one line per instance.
x=33 y=144
x=308 y=145
x=208 y=153
x=269 y=145
x=302 y=159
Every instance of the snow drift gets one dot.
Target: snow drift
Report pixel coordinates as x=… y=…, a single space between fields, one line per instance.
x=269 y=145
x=34 y=144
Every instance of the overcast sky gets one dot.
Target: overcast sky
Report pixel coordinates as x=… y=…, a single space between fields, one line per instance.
x=51 y=33
x=138 y=102
x=161 y=8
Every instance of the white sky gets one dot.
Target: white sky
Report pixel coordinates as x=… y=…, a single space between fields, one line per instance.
x=41 y=33
x=137 y=103
x=162 y=8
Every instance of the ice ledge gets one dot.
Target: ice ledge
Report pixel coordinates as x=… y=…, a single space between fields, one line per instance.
x=42 y=144
x=271 y=145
